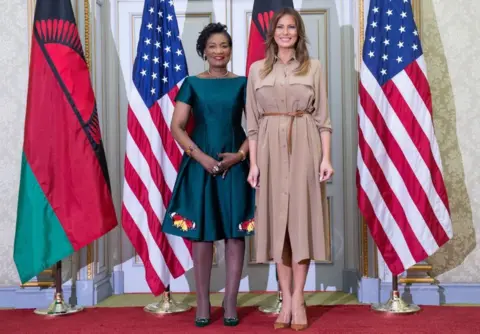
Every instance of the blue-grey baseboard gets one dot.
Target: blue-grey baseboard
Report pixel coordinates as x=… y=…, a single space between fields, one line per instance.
x=83 y=293
x=372 y=291
x=368 y=290
x=31 y=297
x=460 y=293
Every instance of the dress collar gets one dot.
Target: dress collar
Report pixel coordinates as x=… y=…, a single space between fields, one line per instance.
x=293 y=58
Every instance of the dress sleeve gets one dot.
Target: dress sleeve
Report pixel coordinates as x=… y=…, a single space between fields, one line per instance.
x=185 y=94
x=251 y=107
x=321 y=114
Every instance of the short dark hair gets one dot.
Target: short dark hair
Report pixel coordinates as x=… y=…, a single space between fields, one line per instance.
x=209 y=30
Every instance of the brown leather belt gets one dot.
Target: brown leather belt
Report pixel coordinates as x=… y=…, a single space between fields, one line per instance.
x=292 y=116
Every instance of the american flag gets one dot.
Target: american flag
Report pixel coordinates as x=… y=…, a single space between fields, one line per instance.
x=401 y=191
x=152 y=156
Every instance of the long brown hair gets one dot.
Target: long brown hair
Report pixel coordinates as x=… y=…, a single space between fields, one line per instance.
x=271 y=47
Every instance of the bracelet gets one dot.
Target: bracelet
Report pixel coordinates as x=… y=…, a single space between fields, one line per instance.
x=190 y=150
x=242 y=153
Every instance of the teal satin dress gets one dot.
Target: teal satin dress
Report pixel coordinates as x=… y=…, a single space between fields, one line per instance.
x=204 y=207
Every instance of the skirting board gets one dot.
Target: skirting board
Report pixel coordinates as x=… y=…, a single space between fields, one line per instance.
x=31 y=297
x=83 y=293
x=372 y=291
x=368 y=291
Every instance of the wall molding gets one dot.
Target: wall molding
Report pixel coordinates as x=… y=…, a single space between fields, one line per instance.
x=368 y=291
x=31 y=297
x=82 y=293
x=373 y=290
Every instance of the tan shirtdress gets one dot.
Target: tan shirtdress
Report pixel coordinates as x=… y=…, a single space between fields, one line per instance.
x=290 y=198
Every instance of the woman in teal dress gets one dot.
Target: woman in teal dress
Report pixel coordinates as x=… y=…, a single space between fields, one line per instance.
x=211 y=199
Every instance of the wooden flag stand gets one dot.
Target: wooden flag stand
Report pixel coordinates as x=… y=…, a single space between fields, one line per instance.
x=277 y=305
x=396 y=305
x=166 y=305
x=58 y=306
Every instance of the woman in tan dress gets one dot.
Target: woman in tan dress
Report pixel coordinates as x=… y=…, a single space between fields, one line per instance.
x=289 y=134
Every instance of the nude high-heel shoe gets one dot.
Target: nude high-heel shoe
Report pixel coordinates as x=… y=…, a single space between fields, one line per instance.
x=282 y=325
x=300 y=327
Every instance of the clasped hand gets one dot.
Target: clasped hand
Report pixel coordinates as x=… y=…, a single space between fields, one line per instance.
x=221 y=166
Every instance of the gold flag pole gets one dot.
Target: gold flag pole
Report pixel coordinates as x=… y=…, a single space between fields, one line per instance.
x=58 y=306
x=277 y=304
x=396 y=305
x=166 y=305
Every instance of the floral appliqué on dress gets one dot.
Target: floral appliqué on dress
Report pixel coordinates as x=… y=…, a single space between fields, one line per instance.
x=247 y=226
x=182 y=223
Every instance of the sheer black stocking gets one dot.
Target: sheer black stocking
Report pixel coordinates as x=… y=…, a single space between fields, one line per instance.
x=234 y=255
x=202 y=267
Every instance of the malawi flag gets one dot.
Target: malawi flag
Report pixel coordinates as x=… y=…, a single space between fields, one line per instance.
x=263 y=11
x=64 y=201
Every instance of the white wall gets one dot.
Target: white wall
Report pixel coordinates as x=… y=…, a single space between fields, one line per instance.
x=13 y=93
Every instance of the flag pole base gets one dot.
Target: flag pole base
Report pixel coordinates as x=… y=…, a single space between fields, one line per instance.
x=273 y=308
x=166 y=305
x=58 y=307
x=396 y=305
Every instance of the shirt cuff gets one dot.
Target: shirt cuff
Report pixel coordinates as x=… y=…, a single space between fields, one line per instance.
x=252 y=135
x=325 y=130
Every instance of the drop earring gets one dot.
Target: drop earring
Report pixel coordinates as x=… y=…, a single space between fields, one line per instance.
x=205 y=63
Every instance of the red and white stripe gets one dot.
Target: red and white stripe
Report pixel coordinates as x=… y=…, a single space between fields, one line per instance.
x=151 y=164
x=401 y=191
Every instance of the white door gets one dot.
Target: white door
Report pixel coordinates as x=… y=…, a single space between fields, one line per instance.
x=321 y=19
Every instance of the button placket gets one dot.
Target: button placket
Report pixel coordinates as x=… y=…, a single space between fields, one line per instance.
x=283 y=123
x=285 y=152
x=285 y=76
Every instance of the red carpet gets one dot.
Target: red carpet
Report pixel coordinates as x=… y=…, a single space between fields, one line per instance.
x=323 y=319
